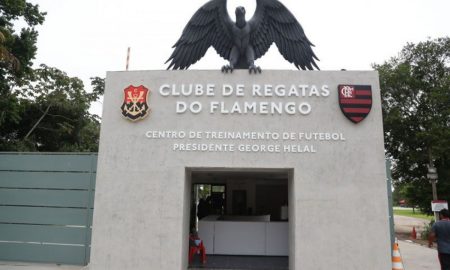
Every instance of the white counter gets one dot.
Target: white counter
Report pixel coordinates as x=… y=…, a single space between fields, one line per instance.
x=260 y=238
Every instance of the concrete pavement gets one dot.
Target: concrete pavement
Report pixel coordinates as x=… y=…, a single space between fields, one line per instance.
x=418 y=257
x=415 y=256
x=404 y=224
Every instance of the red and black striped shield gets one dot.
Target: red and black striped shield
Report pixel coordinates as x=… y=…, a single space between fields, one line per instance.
x=355 y=101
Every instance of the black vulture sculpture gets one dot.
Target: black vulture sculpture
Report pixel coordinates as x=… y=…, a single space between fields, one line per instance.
x=242 y=42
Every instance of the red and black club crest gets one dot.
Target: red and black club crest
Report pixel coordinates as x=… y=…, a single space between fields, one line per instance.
x=355 y=101
x=135 y=105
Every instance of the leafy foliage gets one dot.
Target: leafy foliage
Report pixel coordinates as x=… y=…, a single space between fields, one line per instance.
x=427 y=230
x=415 y=89
x=41 y=109
x=54 y=115
x=17 y=49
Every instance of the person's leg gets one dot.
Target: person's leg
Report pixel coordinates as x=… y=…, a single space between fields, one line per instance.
x=444 y=259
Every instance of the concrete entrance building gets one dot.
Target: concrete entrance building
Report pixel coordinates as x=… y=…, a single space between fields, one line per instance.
x=295 y=175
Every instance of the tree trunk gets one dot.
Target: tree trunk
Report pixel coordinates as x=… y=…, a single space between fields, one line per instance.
x=37 y=123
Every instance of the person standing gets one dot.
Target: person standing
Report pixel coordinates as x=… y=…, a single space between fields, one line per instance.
x=440 y=231
x=202 y=209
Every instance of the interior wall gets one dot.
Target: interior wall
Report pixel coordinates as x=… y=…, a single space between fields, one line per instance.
x=251 y=185
x=292 y=218
x=186 y=214
x=269 y=199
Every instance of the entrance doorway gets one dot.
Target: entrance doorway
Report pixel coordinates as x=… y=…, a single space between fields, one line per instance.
x=241 y=217
x=208 y=199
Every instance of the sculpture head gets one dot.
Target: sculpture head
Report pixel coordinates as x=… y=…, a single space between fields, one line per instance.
x=240 y=11
x=240 y=16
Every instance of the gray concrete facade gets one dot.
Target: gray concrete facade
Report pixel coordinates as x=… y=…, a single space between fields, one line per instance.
x=338 y=210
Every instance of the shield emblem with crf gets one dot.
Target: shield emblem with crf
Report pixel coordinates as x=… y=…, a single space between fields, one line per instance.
x=355 y=101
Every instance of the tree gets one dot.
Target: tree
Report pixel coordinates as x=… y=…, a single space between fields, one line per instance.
x=16 y=53
x=55 y=115
x=17 y=49
x=6 y=57
x=415 y=90
x=41 y=109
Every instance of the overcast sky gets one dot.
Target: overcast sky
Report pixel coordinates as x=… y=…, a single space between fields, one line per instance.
x=86 y=38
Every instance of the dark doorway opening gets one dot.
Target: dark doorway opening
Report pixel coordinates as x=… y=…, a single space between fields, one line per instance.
x=241 y=217
x=207 y=199
x=240 y=202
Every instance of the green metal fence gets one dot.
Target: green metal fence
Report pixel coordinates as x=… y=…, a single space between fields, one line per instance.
x=46 y=205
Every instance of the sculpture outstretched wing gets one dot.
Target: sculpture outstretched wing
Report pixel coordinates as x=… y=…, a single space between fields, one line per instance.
x=273 y=22
x=209 y=26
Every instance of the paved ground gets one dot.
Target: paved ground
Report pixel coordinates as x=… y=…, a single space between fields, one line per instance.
x=406 y=224
x=418 y=257
x=243 y=262
x=414 y=256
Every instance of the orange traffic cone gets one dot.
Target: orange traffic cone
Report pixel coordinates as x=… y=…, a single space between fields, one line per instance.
x=397 y=263
x=414 y=233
